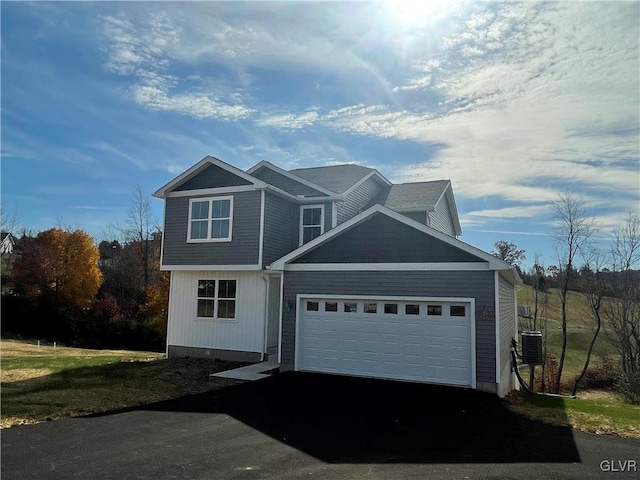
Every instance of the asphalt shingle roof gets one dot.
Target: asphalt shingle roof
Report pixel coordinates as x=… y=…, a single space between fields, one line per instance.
x=337 y=178
x=414 y=195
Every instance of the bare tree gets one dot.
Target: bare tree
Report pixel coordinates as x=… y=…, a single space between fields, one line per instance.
x=573 y=229
x=623 y=311
x=595 y=288
x=139 y=229
x=8 y=223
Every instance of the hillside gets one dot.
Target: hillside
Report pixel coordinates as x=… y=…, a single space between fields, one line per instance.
x=579 y=326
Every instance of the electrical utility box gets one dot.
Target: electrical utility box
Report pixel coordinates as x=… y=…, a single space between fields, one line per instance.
x=532 y=348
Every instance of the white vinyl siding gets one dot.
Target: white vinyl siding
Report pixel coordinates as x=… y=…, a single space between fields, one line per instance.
x=244 y=332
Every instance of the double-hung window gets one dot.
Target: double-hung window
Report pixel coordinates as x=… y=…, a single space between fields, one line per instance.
x=210 y=219
x=311 y=222
x=217 y=299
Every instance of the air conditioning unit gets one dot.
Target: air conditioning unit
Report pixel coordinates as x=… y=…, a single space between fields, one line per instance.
x=532 y=348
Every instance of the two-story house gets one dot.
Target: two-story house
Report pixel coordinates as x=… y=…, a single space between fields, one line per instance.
x=333 y=269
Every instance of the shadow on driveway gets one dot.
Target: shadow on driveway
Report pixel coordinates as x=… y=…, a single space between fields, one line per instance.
x=354 y=420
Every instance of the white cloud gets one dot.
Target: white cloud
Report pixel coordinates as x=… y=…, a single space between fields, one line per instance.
x=144 y=49
x=513 y=212
x=556 y=104
x=290 y=120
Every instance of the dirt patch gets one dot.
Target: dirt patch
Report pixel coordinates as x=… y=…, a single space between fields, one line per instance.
x=192 y=375
x=23 y=374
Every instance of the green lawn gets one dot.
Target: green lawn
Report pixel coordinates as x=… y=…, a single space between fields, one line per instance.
x=43 y=383
x=579 y=331
x=596 y=412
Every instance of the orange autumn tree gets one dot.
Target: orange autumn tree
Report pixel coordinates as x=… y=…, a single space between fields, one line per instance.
x=157 y=305
x=61 y=263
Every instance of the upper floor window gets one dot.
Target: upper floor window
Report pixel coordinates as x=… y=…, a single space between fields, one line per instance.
x=210 y=219
x=311 y=222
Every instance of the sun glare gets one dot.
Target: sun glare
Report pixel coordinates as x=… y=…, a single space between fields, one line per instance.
x=416 y=13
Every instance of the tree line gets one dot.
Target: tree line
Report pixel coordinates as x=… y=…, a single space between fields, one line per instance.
x=59 y=285
x=609 y=278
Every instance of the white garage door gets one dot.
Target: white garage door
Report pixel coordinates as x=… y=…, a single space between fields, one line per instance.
x=427 y=341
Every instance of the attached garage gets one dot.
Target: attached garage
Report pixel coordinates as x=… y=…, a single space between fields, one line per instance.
x=384 y=296
x=406 y=338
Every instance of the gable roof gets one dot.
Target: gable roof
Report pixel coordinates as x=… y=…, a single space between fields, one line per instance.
x=493 y=262
x=292 y=177
x=337 y=178
x=201 y=166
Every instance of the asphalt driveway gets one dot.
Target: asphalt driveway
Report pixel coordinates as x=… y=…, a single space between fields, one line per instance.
x=297 y=425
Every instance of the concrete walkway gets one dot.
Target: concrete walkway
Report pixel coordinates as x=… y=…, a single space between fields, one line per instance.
x=250 y=372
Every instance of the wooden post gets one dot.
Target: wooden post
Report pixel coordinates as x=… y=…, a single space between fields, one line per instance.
x=532 y=369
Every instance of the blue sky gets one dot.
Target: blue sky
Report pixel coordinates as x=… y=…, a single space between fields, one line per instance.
x=514 y=102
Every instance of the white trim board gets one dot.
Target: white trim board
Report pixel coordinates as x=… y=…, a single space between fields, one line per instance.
x=210 y=191
x=301 y=215
x=261 y=239
x=210 y=268
x=373 y=267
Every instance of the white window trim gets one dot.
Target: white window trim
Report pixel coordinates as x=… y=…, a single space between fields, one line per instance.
x=309 y=207
x=215 y=299
x=209 y=220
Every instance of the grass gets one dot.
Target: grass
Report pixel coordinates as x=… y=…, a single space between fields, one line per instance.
x=45 y=383
x=579 y=331
x=597 y=411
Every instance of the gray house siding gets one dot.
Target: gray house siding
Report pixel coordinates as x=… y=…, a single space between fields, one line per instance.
x=281 y=231
x=507 y=324
x=242 y=250
x=470 y=284
x=358 y=199
x=440 y=218
x=420 y=217
x=285 y=183
x=381 y=239
x=212 y=177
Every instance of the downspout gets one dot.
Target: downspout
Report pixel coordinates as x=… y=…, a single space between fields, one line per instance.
x=265 y=277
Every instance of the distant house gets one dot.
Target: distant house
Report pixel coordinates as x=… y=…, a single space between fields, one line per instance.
x=7 y=243
x=337 y=270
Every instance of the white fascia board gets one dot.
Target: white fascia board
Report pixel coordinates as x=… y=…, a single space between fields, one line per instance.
x=374 y=173
x=494 y=262
x=290 y=176
x=209 y=268
x=211 y=191
x=379 y=267
x=261 y=238
x=191 y=172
